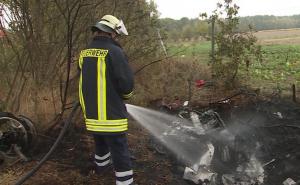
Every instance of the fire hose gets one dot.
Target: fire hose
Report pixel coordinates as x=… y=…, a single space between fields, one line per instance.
x=54 y=146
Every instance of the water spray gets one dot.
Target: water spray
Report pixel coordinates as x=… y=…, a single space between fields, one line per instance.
x=195 y=143
x=158 y=124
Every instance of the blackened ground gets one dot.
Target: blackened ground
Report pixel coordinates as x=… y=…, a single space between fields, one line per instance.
x=275 y=125
x=71 y=163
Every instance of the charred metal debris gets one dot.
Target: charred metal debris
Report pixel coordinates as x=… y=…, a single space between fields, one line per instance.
x=252 y=144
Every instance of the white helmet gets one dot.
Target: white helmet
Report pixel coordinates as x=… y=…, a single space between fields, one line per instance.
x=110 y=24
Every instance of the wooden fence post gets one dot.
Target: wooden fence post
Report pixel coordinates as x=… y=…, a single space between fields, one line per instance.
x=294 y=93
x=213 y=40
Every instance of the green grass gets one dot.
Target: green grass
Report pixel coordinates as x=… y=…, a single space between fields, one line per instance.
x=189 y=50
x=280 y=66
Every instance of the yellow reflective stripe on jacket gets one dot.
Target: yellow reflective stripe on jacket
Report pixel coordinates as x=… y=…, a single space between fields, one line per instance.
x=127 y=96
x=101 y=87
x=107 y=129
x=81 y=100
x=115 y=122
x=80 y=61
x=100 y=90
x=107 y=125
x=104 y=86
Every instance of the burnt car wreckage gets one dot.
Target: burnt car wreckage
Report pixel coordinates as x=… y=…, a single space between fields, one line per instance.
x=257 y=144
x=17 y=135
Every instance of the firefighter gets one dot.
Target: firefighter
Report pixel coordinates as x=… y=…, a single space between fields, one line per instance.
x=106 y=80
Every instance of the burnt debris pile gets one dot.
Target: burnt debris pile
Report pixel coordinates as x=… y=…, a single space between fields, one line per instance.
x=253 y=143
x=276 y=126
x=269 y=131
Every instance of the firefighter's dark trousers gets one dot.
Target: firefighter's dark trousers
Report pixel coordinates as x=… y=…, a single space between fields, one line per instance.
x=114 y=149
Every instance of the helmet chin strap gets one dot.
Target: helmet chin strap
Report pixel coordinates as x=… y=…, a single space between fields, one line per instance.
x=102 y=33
x=114 y=36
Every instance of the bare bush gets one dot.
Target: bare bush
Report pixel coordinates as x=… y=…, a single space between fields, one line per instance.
x=43 y=38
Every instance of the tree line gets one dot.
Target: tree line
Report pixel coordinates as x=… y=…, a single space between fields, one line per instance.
x=186 y=28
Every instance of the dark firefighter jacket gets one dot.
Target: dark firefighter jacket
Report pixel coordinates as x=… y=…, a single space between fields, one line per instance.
x=105 y=81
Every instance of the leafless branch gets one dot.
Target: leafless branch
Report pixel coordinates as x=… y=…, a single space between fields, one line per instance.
x=154 y=62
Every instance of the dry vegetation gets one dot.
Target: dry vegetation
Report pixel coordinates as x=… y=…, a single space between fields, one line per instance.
x=69 y=165
x=281 y=36
x=169 y=78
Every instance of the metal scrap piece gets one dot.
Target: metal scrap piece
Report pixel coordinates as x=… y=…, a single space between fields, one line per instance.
x=200 y=172
x=289 y=181
x=202 y=175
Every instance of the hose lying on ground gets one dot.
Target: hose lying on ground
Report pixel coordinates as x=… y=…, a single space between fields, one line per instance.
x=45 y=158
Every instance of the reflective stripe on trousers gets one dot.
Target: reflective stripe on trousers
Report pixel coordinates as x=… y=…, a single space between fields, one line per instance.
x=124 y=178
x=102 y=161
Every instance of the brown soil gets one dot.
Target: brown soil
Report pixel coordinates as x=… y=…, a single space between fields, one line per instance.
x=276 y=126
x=70 y=163
x=279 y=36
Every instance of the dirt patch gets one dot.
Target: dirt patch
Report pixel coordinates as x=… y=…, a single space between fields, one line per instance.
x=280 y=36
x=274 y=124
x=273 y=129
x=71 y=162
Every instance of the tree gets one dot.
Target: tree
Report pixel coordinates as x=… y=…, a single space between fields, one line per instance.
x=43 y=41
x=234 y=48
x=184 y=28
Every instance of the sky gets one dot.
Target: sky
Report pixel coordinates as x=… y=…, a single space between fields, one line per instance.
x=177 y=9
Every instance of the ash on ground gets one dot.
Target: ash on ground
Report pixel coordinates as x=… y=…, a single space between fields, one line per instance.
x=262 y=142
